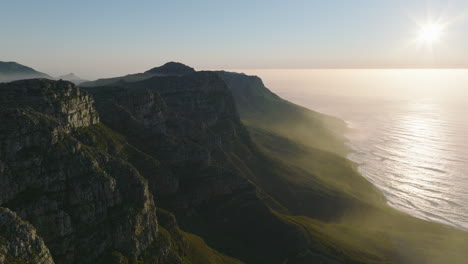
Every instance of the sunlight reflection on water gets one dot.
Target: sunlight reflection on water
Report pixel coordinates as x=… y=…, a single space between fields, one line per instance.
x=414 y=151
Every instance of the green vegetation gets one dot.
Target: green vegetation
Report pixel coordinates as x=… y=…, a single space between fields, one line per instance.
x=319 y=191
x=262 y=109
x=175 y=246
x=319 y=207
x=17 y=261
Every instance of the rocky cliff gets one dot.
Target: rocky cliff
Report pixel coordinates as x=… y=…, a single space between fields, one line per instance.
x=162 y=169
x=190 y=125
x=86 y=169
x=19 y=242
x=184 y=122
x=82 y=201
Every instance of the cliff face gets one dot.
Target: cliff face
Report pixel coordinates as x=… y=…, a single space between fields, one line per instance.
x=19 y=242
x=187 y=123
x=262 y=109
x=88 y=167
x=81 y=200
x=121 y=173
x=190 y=126
x=89 y=188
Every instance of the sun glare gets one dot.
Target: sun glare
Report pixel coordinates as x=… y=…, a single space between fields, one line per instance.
x=430 y=33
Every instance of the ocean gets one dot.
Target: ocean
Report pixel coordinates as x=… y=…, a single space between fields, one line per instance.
x=409 y=136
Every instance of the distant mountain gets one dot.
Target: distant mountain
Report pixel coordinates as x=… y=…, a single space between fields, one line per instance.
x=172 y=68
x=168 y=69
x=12 y=71
x=72 y=78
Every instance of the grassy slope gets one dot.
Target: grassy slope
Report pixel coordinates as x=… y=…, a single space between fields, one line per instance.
x=260 y=108
x=301 y=172
x=371 y=233
x=343 y=215
x=184 y=247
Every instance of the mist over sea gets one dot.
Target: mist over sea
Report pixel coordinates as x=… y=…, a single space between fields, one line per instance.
x=409 y=131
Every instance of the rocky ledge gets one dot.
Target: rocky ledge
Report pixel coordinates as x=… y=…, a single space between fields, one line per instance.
x=19 y=242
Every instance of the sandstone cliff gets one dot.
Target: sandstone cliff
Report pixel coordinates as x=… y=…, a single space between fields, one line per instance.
x=19 y=242
x=82 y=201
x=159 y=168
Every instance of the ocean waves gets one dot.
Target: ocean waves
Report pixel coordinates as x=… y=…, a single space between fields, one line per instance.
x=416 y=152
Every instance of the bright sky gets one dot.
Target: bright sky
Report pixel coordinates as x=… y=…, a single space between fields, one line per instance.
x=107 y=38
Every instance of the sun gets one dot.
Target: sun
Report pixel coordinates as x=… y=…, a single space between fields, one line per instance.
x=430 y=33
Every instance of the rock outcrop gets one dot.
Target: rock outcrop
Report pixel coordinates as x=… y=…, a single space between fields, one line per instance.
x=187 y=123
x=88 y=166
x=83 y=201
x=190 y=125
x=19 y=242
x=100 y=175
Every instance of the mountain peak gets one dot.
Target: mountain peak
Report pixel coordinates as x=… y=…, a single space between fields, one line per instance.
x=71 y=74
x=72 y=78
x=172 y=68
x=12 y=71
x=14 y=67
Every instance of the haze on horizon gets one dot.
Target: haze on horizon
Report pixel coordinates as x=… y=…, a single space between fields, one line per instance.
x=109 y=38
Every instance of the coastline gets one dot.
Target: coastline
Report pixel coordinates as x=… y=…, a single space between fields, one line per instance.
x=353 y=131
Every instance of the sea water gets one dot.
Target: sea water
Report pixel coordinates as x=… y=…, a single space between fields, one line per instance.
x=409 y=136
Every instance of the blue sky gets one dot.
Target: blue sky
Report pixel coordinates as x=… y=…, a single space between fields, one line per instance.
x=107 y=38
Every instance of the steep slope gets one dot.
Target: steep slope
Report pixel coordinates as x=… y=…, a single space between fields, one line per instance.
x=190 y=124
x=70 y=192
x=19 y=242
x=12 y=71
x=361 y=228
x=103 y=174
x=306 y=146
x=262 y=109
x=168 y=69
x=69 y=176
x=320 y=208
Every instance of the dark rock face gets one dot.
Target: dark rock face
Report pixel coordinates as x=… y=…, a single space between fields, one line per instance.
x=185 y=122
x=19 y=242
x=85 y=168
x=82 y=201
x=88 y=191
x=190 y=125
x=172 y=68
x=60 y=100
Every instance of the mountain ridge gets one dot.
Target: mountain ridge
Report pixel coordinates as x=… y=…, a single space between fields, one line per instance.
x=168 y=69
x=204 y=167
x=12 y=71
